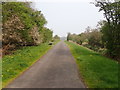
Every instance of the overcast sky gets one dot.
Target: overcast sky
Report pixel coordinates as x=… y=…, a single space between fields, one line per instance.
x=72 y=16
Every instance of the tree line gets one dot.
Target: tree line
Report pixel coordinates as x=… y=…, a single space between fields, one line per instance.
x=22 y=26
x=105 y=37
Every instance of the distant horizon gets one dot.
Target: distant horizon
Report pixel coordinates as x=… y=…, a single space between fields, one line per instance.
x=68 y=17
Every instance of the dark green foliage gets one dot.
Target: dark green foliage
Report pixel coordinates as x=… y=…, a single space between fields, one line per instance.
x=23 y=26
x=111 y=40
x=47 y=34
x=111 y=28
x=39 y=19
x=94 y=38
x=56 y=37
x=69 y=36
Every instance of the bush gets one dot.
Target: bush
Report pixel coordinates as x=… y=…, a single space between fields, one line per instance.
x=22 y=26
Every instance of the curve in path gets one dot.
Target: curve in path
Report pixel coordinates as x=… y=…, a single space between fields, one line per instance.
x=56 y=69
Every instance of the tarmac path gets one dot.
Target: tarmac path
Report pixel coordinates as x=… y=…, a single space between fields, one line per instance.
x=56 y=69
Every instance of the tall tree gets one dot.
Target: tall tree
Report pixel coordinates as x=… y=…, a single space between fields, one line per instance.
x=111 y=29
x=57 y=37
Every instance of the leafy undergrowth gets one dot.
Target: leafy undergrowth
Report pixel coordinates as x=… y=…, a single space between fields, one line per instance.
x=96 y=70
x=14 y=65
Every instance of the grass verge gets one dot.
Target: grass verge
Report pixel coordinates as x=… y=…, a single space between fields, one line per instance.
x=96 y=70
x=13 y=65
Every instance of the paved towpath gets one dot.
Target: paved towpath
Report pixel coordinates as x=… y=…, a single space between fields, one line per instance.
x=56 y=69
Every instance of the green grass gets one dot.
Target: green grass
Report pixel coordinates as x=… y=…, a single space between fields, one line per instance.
x=14 y=65
x=96 y=70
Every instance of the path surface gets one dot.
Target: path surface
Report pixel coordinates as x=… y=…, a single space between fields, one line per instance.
x=56 y=69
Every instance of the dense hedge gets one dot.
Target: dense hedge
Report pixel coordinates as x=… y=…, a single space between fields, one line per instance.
x=23 y=26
